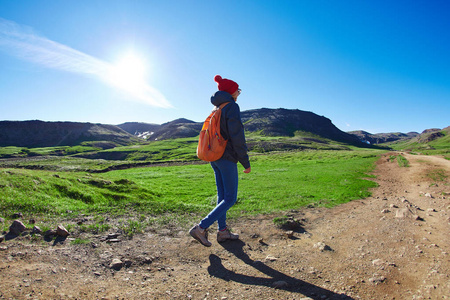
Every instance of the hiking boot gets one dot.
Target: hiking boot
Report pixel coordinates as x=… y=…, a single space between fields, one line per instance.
x=224 y=235
x=200 y=235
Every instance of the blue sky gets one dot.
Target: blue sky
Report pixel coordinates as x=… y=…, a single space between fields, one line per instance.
x=379 y=66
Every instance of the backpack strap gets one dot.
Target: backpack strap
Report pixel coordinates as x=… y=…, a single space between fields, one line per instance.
x=221 y=106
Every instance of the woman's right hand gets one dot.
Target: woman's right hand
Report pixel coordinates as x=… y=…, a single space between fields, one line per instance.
x=248 y=170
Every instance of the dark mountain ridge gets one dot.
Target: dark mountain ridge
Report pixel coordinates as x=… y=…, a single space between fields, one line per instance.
x=380 y=138
x=49 y=134
x=287 y=122
x=136 y=128
x=179 y=128
x=267 y=122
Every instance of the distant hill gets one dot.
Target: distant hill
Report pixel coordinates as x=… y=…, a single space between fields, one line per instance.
x=266 y=122
x=179 y=128
x=49 y=134
x=138 y=127
x=288 y=122
x=141 y=130
x=380 y=138
x=269 y=122
x=430 y=139
x=432 y=134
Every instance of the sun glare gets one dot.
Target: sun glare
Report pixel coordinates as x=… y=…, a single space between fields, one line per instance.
x=129 y=73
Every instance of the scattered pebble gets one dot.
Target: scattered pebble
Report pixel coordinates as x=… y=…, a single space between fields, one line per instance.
x=289 y=234
x=271 y=258
x=377 y=262
x=377 y=279
x=322 y=246
x=113 y=241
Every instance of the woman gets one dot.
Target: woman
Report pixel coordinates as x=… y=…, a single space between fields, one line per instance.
x=225 y=169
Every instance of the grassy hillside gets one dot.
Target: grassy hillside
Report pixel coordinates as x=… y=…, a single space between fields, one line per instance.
x=279 y=181
x=178 y=150
x=257 y=142
x=434 y=142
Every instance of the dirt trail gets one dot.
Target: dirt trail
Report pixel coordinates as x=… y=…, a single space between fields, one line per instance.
x=393 y=245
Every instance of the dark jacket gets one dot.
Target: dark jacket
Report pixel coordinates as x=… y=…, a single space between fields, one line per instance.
x=232 y=129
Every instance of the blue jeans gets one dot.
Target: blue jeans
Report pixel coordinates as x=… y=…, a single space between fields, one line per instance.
x=226 y=175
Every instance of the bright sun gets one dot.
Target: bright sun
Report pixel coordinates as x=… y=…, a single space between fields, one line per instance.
x=129 y=73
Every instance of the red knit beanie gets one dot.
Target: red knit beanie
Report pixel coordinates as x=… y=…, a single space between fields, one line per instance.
x=226 y=85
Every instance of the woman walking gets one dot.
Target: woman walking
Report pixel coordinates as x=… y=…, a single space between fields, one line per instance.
x=225 y=169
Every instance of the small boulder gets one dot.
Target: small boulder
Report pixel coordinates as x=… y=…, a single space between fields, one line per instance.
x=17 y=227
x=17 y=215
x=116 y=264
x=127 y=263
x=36 y=230
x=62 y=232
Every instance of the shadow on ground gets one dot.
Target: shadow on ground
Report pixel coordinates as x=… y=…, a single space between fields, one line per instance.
x=274 y=279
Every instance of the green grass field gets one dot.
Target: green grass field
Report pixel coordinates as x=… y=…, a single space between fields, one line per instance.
x=278 y=182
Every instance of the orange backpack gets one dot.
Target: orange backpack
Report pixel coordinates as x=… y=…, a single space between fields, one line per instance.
x=211 y=144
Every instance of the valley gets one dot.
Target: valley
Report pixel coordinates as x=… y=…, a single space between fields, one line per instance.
x=391 y=245
x=325 y=215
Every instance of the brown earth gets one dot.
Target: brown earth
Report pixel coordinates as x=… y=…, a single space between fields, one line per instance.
x=393 y=245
